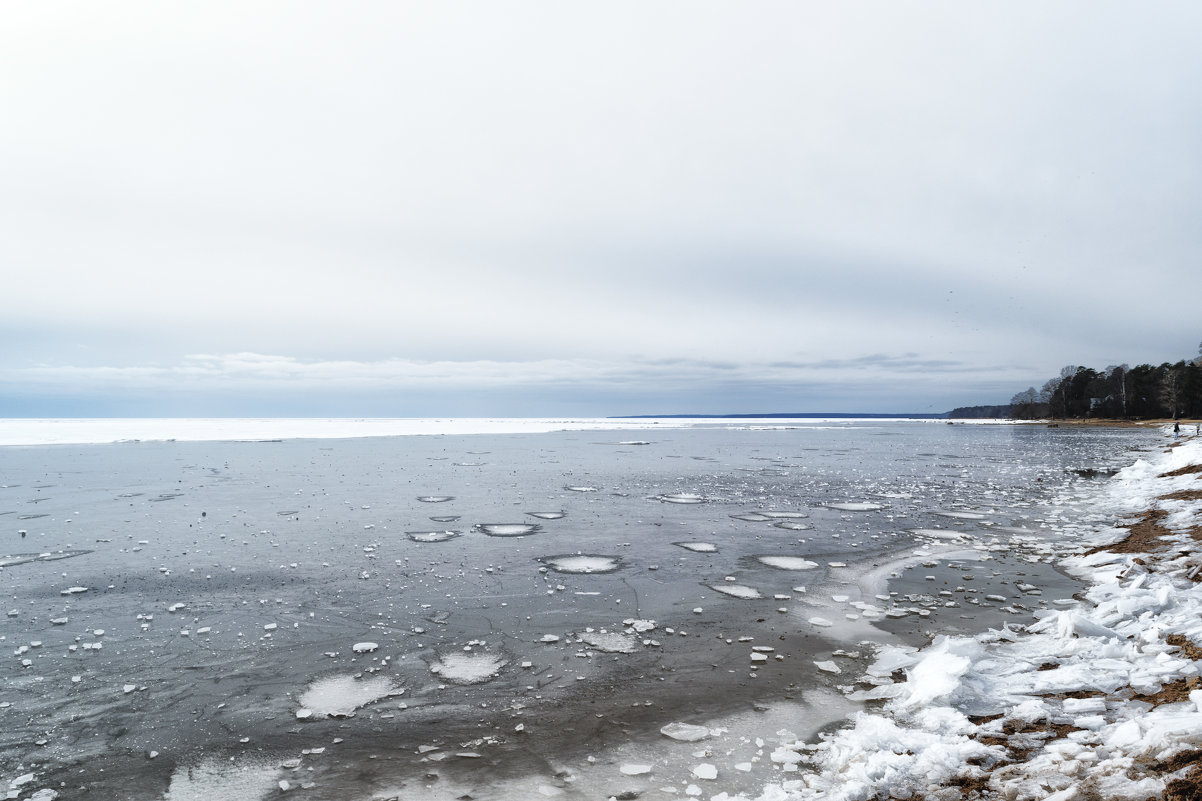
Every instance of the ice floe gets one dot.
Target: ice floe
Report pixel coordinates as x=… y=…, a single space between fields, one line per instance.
x=611 y=642
x=787 y=562
x=582 y=563
x=681 y=497
x=698 y=547
x=736 y=590
x=468 y=668
x=855 y=506
x=547 y=515
x=508 y=529
x=340 y=696
x=432 y=536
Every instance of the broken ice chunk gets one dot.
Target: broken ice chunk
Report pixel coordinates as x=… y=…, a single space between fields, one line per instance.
x=582 y=563
x=685 y=732
x=699 y=547
x=787 y=562
x=736 y=590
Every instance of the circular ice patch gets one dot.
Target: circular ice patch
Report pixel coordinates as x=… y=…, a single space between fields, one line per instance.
x=736 y=591
x=752 y=517
x=582 y=563
x=547 y=515
x=681 y=497
x=855 y=507
x=581 y=489
x=462 y=668
x=508 y=529
x=961 y=515
x=435 y=498
x=792 y=525
x=938 y=533
x=340 y=696
x=787 y=562
x=432 y=536
x=784 y=515
x=610 y=642
x=699 y=547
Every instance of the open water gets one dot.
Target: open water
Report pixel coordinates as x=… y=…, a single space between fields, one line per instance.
x=499 y=616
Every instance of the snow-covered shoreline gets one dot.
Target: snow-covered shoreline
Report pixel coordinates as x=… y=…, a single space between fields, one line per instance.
x=1090 y=701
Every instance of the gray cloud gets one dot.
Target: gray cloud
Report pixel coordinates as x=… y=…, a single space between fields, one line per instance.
x=796 y=199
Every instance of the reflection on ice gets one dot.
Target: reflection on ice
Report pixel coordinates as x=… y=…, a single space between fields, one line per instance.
x=582 y=563
x=508 y=529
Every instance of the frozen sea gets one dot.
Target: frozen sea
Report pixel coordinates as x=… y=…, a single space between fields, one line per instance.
x=500 y=615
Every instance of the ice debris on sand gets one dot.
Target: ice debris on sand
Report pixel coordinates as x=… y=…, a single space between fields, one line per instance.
x=1100 y=699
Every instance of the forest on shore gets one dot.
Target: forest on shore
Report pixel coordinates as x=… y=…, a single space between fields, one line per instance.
x=1118 y=392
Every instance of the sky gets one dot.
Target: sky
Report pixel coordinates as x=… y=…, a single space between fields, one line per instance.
x=587 y=209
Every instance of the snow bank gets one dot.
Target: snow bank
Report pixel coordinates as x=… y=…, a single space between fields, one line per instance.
x=1065 y=708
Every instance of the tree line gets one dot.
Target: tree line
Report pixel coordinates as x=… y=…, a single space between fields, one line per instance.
x=1119 y=392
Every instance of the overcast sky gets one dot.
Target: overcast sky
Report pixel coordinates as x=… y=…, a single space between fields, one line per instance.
x=545 y=208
